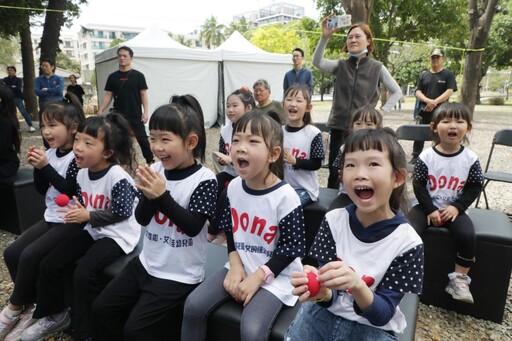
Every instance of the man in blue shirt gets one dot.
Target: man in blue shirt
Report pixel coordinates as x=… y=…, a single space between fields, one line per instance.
x=15 y=84
x=298 y=75
x=49 y=86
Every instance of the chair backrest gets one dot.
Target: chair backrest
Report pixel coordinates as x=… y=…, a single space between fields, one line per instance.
x=415 y=132
x=503 y=137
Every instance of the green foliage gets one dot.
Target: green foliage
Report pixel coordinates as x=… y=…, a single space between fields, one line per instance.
x=498 y=52
x=276 y=38
x=7 y=50
x=496 y=101
x=64 y=62
x=212 y=32
x=117 y=41
x=180 y=38
x=242 y=26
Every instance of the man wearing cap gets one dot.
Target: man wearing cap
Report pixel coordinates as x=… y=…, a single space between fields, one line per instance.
x=433 y=88
x=298 y=75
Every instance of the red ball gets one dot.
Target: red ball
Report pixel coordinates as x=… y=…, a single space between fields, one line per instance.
x=62 y=200
x=313 y=284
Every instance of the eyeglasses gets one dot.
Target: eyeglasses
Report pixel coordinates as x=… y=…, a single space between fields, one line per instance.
x=259 y=91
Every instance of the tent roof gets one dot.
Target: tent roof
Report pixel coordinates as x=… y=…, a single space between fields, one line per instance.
x=237 y=48
x=154 y=36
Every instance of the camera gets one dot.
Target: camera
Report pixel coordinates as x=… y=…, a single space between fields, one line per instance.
x=339 y=21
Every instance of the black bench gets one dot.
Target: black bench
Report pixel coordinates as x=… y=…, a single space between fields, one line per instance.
x=490 y=274
x=224 y=323
x=21 y=205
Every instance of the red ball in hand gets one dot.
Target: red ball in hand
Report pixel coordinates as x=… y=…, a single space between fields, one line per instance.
x=313 y=284
x=62 y=200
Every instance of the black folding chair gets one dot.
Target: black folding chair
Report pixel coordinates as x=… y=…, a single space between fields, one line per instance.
x=414 y=132
x=504 y=138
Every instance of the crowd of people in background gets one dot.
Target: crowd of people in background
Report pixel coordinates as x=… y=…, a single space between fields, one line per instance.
x=268 y=157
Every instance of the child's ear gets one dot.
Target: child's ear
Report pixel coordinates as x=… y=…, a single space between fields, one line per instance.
x=107 y=154
x=400 y=177
x=309 y=108
x=74 y=128
x=192 y=141
x=274 y=154
x=432 y=127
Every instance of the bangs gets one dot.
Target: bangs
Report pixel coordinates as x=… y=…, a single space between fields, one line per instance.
x=256 y=120
x=367 y=139
x=95 y=126
x=167 y=118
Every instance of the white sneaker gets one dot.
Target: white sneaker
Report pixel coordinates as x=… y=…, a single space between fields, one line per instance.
x=44 y=327
x=31 y=129
x=25 y=321
x=458 y=287
x=7 y=324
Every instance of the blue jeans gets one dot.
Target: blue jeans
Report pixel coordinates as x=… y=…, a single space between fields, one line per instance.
x=316 y=323
x=23 y=111
x=303 y=196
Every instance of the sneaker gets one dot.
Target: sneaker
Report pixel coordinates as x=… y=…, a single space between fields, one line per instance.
x=7 y=324
x=25 y=321
x=458 y=287
x=31 y=129
x=44 y=327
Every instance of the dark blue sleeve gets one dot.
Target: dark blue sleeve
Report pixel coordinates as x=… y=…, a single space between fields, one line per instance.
x=222 y=146
x=323 y=248
x=292 y=235
x=317 y=148
x=123 y=197
x=383 y=307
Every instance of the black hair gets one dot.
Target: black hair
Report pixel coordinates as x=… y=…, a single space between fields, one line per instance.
x=182 y=117
x=115 y=133
x=364 y=112
x=49 y=61
x=68 y=112
x=299 y=50
x=271 y=131
x=11 y=67
x=8 y=109
x=304 y=90
x=382 y=140
x=456 y=111
x=245 y=96
x=127 y=49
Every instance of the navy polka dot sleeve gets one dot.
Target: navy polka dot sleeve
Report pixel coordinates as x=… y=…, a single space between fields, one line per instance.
x=225 y=220
x=337 y=162
x=123 y=196
x=72 y=170
x=79 y=195
x=405 y=274
x=324 y=246
x=475 y=173
x=222 y=146
x=204 y=197
x=292 y=236
x=317 y=148
x=420 y=173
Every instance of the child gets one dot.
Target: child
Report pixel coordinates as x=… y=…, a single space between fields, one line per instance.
x=447 y=178
x=303 y=147
x=55 y=172
x=105 y=204
x=369 y=254
x=145 y=302
x=366 y=117
x=264 y=224
x=10 y=138
x=238 y=103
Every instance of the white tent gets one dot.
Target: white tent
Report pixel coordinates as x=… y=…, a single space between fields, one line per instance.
x=244 y=63
x=170 y=68
x=210 y=75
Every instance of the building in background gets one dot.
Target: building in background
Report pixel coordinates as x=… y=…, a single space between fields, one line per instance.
x=281 y=12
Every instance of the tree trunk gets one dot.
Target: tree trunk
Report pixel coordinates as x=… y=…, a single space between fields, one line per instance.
x=51 y=30
x=480 y=20
x=27 y=58
x=360 y=10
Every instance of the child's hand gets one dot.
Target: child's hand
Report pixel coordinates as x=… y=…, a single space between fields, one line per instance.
x=150 y=183
x=232 y=280
x=288 y=157
x=250 y=286
x=449 y=213
x=339 y=276
x=435 y=219
x=223 y=159
x=300 y=283
x=37 y=157
x=76 y=213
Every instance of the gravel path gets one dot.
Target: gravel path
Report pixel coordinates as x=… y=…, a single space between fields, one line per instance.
x=433 y=323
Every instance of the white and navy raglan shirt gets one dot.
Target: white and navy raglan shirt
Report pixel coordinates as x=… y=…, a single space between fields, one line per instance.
x=305 y=143
x=169 y=252
x=387 y=255
x=266 y=224
x=226 y=134
x=442 y=179
x=66 y=167
x=112 y=190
